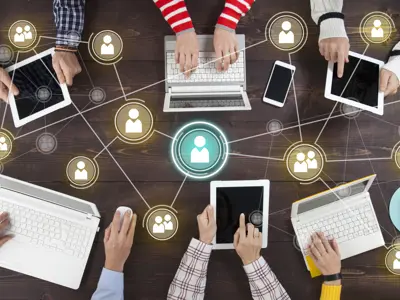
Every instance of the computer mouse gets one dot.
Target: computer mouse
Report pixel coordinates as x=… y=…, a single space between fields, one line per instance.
x=123 y=210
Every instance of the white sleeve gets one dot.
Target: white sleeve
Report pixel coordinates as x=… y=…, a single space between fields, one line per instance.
x=331 y=27
x=394 y=63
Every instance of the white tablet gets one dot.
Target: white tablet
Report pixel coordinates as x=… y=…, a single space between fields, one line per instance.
x=39 y=90
x=359 y=85
x=230 y=199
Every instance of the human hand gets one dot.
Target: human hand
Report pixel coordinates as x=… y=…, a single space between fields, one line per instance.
x=336 y=50
x=207 y=225
x=4 y=222
x=226 y=46
x=5 y=84
x=389 y=83
x=326 y=255
x=118 y=243
x=187 y=52
x=247 y=246
x=66 y=66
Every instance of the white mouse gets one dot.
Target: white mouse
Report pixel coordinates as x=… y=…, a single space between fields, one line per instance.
x=122 y=210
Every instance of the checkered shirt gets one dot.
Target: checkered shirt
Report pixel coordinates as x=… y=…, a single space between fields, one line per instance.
x=190 y=279
x=69 y=16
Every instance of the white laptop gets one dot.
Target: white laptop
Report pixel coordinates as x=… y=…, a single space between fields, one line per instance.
x=206 y=89
x=54 y=232
x=345 y=213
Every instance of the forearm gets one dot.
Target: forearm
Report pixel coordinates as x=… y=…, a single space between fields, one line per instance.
x=176 y=14
x=330 y=292
x=332 y=27
x=393 y=63
x=69 y=16
x=233 y=11
x=190 y=279
x=110 y=286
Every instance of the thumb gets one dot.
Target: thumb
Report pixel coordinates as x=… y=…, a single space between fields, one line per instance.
x=5 y=239
x=384 y=80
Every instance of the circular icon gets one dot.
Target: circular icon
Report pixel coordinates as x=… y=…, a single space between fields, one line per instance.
x=134 y=122
x=287 y=31
x=296 y=243
x=396 y=242
x=97 y=95
x=46 y=143
x=199 y=150
x=6 y=54
x=376 y=27
x=162 y=224
x=344 y=190
x=256 y=218
x=22 y=34
x=5 y=144
x=43 y=94
x=305 y=162
x=392 y=260
x=349 y=111
x=275 y=127
x=394 y=206
x=82 y=172
x=73 y=38
x=107 y=45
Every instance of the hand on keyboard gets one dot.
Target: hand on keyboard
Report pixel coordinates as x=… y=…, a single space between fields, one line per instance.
x=118 y=243
x=226 y=46
x=187 y=52
x=4 y=222
x=325 y=254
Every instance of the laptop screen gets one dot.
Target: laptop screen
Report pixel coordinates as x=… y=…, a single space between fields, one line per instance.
x=335 y=194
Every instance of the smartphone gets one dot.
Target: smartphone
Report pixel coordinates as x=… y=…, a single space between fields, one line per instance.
x=279 y=83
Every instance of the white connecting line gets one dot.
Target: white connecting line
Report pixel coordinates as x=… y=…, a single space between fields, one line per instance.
x=295 y=101
x=9 y=88
x=179 y=190
x=119 y=81
x=108 y=145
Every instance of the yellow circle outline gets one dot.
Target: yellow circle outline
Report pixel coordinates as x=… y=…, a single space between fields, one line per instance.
x=141 y=139
x=91 y=182
x=116 y=56
x=33 y=41
x=320 y=169
x=365 y=20
x=396 y=156
x=159 y=208
x=391 y=248
x=10 y=136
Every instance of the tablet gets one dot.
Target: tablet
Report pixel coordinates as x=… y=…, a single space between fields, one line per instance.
x=39 y=90
x=230 y=199
x=359 y=86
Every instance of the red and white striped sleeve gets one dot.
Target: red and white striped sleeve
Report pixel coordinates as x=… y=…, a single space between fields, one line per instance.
x=176 y=14
x=233 y=11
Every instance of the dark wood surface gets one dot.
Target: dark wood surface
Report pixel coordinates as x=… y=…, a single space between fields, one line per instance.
x=152 y=264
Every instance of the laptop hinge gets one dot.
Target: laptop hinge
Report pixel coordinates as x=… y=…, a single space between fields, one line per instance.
x=205 y=89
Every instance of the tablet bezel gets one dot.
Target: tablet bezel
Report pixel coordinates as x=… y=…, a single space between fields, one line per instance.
x=11 y=99
x=242 y=183
x=328 y=87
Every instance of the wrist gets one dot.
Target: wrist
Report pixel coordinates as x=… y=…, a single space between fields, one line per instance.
x=113 y=266
x=246 y=261
x=206 y=241
x=336 y=282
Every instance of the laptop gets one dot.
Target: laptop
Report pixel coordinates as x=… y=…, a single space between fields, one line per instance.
x=345 y=213
x=54 y=232
x=206 y=89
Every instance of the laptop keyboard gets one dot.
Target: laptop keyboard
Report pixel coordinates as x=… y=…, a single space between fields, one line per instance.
x=345 y=225
x=47 y=231
x=206 y=103
x=206 y=71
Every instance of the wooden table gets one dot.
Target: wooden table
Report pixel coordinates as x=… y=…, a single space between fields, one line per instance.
x=152 y=264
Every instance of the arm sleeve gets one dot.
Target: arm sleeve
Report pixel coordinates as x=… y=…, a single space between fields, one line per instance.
x=190 y=279
x=69 y=16
x=176 y=14
x=330 y=292
x=110 y=286
x=263 y=282
x=233 y=11
x=394 y=63
x=329 y=28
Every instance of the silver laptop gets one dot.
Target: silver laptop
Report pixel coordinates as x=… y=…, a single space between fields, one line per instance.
x=344 y=213
x=206 y=89
x=54 y=233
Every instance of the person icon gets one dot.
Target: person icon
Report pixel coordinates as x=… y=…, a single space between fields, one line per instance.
x=27 y=32
x=3 y=144
x=81 y=173
x=168 y=225
x=312 y=163
x=19 y=37
x=286 y=36
x=377 y=31
x=107 y=48
x=133 y=125
x=396 y=263
x=300 y=165
x=200 y=156
x=158 y=227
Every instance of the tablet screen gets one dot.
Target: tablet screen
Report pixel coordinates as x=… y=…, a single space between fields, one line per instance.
x=363 y=85
x=231 y=202
x=38 y=89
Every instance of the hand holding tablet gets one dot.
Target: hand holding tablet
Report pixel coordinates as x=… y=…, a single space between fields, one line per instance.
x=5 y=83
